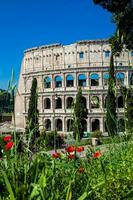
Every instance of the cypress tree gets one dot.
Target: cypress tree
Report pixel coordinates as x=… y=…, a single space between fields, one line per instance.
x=80 y=113
x=111 y=119
x=33 y=113
x=129 y=110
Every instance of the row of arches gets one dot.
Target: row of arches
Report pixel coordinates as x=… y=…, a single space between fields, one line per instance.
x=95 y=125
x=94 y=102
x=82 y=80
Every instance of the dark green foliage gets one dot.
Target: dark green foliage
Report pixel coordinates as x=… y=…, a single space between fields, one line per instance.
x=80 y=113
x=129 y=109
x=122 y=11
x=111 y=101
x=53 y=139
x=6 y=103
x=33 y=113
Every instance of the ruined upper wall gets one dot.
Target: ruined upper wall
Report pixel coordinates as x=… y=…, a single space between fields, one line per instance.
x=58 y=56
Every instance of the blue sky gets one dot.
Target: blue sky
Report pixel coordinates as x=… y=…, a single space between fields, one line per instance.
x=28 y=23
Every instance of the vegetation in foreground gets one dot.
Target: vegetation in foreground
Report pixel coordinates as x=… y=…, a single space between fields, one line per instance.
x=104 y=173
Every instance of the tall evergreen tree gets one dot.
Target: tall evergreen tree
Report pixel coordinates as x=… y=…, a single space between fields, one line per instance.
x=129 y=109
x=111 y=119
x=80 y=113
x=33 y=113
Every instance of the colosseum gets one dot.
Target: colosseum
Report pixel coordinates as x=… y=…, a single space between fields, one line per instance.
x=60 y=70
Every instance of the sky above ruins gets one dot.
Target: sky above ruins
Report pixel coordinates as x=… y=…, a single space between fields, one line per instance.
x=28 y=23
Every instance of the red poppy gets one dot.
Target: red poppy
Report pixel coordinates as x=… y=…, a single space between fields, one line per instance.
x=80 y=149
x=70 y=149
x=8 y=146
x=56 y=155
x=97 y=154
x=81 y=170
x=71 y=156
x=7 y=138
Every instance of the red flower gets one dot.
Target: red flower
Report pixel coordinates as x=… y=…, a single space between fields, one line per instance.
x=71 y=156
x=7 y=138
x=56 y=155
x=70 y=149
x=81 y=170
x=79 y=149
x=8 y=146
x=97 y=154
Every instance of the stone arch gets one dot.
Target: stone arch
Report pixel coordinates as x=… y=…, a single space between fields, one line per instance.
x=120 y=78
x=58 y=124
x=105 y=79
x=95 y=102
x=69 y=102
x=58 y=81
x=82 y=80
x=47 y=124
x=58 y=103
x=94 y=79
x=120 y=102
x=69 y=125
x=69 y=81
x=47 y=103
x=47 y=82
x=95 y=125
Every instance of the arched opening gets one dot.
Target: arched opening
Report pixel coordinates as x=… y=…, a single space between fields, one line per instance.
x=47 y=103
x=105 y=79
x=84 y=125
x=47 y=82
x=82 y=80
x=81 y=55
x=120 y=78
x=120 y=102
x=69 y=125
x=69 y=81
x=121 y=125
x=48 y=125
x=94 y=79
x=95 y=125
x=83 y=99
x=58 y=81
x=58 y=124
x=58 y=103
x=95 y=103
x=69 y=102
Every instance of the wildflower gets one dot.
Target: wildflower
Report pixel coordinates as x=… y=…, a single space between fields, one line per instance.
x=7 y=138
x=97 y=154
x=71 y=156
x=81 y=170
x=70 y=149
x=80 y=149
x=56 y=155
x=9 y=145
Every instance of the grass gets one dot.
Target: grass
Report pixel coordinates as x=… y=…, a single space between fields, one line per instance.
x=27 y=175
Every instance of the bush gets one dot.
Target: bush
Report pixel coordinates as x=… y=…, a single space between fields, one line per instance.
x=53 y=139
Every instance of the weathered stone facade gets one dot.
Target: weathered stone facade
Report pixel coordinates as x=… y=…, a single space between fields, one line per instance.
x=60 y=70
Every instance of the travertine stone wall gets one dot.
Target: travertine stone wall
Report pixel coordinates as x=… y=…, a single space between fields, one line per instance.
x=83 y=57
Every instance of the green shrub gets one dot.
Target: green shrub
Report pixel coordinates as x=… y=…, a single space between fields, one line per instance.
x=53 y=139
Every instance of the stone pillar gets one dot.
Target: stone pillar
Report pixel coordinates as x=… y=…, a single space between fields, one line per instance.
x=101 y=80
x=63 y=125
x=101 y=124
x=88 y=125
x=126 y=80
